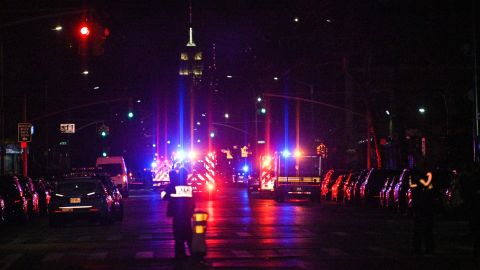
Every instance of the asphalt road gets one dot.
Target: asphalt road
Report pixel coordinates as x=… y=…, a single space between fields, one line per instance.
x=243 y=233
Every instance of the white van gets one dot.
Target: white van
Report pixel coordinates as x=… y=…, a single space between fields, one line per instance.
x=115 y=166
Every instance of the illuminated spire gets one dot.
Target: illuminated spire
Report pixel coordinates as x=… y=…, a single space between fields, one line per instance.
x=190 y=40
x=190 y=32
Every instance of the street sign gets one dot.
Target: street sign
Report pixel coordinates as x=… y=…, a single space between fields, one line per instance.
x=24 y=132
x=67 y=128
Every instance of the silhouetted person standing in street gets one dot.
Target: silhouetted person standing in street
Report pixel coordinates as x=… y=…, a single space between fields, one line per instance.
x=180 y=208
x=423 y=214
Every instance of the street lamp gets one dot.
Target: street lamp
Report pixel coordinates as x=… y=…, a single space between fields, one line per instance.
x=421 y=110
x=85 y=72
x=58 y=28
x=227 y=116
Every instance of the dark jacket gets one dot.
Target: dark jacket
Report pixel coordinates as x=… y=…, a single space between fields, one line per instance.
x=180 y=196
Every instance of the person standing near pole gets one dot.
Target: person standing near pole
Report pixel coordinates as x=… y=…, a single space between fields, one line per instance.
x=422 y=197
x=180 y=207
x=426 y=187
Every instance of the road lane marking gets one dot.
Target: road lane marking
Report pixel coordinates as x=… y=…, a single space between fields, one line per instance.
x=242 y=254
x=52 y=257
x=144 y=255
x=244 y=234
x=8 y=260
x=99 y=256
x=342 y=234
x=334 y=252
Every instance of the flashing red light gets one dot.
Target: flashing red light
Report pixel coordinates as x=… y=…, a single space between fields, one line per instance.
x=84 y=31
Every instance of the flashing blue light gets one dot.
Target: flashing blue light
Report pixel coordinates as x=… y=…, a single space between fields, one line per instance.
x=286 y=153
x=245 y=168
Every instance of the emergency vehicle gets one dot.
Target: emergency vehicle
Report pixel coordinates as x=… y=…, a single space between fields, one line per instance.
x=291 y=176
x=202 y=172
x=160 y=169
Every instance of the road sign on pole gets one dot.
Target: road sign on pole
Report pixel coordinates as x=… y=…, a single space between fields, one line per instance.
x=67 y=128
x=24 y=132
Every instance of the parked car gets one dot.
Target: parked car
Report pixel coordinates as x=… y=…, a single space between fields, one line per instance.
x=31 y=195
x=112 y=189
x=2 y=211
x=114 y=192
x=389 y=196
x=44 y=195
x=326 y=183
x=370 y=188
x=337 y=188
x=349 y=185
x=355 y=189
x=83 y=196
x=15 y=203
x=400 y=191
x=253 y=184
x=385 y=194
x=140 y=179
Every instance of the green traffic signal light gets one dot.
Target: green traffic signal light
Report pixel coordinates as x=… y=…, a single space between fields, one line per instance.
x=263 y=110
x=104 y=154
x=130 y=114
x=103 y=134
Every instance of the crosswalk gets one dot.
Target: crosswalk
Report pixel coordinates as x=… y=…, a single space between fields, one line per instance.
x=7 y=261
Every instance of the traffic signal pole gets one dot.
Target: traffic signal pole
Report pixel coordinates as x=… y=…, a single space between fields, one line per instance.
x=24 y=145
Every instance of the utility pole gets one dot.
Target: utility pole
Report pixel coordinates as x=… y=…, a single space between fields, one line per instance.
x=476 y=156
x=25 y=144
x=2 y=112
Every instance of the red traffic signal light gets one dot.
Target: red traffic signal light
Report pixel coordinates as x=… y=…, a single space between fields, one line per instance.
x=84 y=31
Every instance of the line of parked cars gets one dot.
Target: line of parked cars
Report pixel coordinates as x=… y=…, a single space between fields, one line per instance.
x=386 y=188
x=22 y=199
x=81 y=193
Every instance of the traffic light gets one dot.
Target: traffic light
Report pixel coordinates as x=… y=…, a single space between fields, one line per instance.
x=103 y=130
x=130 y=114
x=322 y=150
x=104 y=154
x=84 y=31
x=92 y=38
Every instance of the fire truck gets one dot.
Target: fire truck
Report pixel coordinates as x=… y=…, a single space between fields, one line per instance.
x=202 y=172
x=291 y=176
x=160 y=171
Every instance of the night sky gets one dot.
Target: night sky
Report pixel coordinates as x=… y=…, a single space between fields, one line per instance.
x=399 y=55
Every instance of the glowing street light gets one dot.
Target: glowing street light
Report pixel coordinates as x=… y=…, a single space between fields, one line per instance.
x=58 y=28
x=227 y=115
x=212 y=134
x=85 y=72
x=421 y=110
x=387 y=112
x=229 y=76
x=296 y=19
x=275 y=78
x=259 y=99
x=263 y=110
